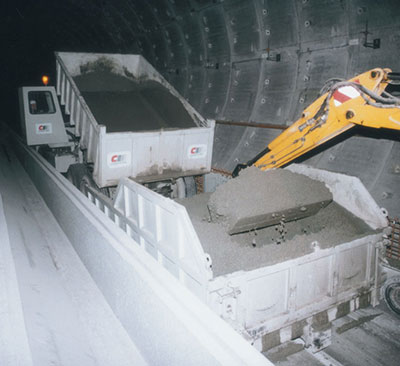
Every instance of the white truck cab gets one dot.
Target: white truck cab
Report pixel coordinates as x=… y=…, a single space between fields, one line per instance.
x=41 y=117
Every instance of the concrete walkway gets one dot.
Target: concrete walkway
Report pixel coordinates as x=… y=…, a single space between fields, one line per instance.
x=51 y=312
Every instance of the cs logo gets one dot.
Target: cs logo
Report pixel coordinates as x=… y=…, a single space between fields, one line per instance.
x=118 y=159
x=43 y=128
x=197 y=151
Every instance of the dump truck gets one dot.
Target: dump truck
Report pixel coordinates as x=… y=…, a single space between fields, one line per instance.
x=112 y=116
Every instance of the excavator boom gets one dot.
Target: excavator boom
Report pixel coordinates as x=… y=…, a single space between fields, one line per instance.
x=361 y=100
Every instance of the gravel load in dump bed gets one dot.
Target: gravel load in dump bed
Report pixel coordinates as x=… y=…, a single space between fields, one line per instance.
x=331 y=226
x=257 y=199
x=122 y=104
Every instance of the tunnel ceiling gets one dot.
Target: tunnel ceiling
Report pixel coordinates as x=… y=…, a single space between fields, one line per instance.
x=256 y=60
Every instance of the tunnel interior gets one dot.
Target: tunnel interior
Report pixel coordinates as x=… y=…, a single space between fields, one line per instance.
x=260 y=61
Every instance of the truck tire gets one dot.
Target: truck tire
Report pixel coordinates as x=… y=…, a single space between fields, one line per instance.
x=391 y=294
x=80 y=177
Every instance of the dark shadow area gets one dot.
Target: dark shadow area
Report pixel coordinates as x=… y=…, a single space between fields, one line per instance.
x=30 y=33
x=394 y=89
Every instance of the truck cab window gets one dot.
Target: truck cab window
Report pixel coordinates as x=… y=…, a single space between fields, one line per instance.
x=41 y=102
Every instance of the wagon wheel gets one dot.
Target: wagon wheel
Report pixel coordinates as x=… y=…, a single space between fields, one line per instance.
x=391 y=293
x=80 y=177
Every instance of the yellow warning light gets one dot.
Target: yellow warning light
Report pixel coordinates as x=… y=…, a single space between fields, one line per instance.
x=45 y=79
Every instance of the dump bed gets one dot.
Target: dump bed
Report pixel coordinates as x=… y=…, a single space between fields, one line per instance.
x=130 y=120
x=261 y=287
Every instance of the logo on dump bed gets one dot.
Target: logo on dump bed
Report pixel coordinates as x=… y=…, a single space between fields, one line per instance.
x=43 y=128
x=197 y=151
x=119 y=159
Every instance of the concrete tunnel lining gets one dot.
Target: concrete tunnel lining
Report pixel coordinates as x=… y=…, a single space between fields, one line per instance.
x=221 y=56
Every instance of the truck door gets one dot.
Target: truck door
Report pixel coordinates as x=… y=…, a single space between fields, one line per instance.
x=41 y=119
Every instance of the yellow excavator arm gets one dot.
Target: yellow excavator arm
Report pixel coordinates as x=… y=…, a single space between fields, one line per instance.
x=358 y=101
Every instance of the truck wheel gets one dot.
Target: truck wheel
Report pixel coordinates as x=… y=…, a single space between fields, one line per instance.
x=391 y=293
x=80 y=177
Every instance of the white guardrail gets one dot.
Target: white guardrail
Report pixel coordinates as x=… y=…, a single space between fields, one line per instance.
x=163 y=229
x=167 y=323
